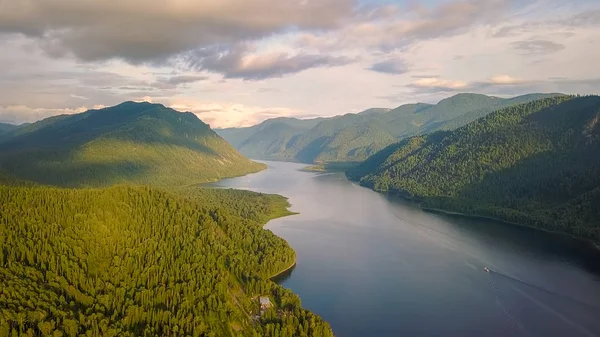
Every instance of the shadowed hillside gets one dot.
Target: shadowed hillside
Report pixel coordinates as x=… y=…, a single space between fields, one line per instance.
x=130 y=142
x=355 y=137
x=535 y=163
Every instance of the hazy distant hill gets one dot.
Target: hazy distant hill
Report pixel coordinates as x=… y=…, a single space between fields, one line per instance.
x=130 y=142
x=354 y=137
x=6 y=128
x=537 y=163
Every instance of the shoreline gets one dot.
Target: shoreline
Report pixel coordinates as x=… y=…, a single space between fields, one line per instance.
x=216 y=180
x=455 y=213
x=594 y=244
x=278 y=216
x=475 y=216
x=287 y=268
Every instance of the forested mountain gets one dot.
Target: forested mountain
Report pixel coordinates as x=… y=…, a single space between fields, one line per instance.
x=536 y=164
x=130 y=142
x=5 y=127
x=139 y=261
x=354 y=137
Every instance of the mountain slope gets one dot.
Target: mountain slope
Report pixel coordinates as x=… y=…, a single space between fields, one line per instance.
x=5 y=128
x=130 y=142
x=354 y=137
x=535 y=164
x=139 y=261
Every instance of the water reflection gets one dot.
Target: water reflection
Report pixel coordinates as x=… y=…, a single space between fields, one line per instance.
x=281 y=278
x=378 y=266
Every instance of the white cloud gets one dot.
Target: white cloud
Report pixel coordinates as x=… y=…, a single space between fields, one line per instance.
x=224 y=115
x=17 y=114
x=245 y=68
x=505 y=79
x=433 y=82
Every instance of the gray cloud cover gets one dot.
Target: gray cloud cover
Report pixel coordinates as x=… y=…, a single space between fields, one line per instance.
x=239 y=62
x=392 y=66
x=154 y=30
x=396 y=28
x=589 y=18
x=537 y=47
x=175 y=81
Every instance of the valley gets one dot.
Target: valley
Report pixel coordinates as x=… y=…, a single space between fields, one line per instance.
x=101 y=209
x=355 y=137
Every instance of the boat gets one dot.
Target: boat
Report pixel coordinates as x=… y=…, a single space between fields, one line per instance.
x=486 y=269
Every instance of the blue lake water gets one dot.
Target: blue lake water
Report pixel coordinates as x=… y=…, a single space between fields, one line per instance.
x=377 y=266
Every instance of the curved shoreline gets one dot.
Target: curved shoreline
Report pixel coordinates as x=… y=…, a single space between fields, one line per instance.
x=275 y=216
x=475 y=216
x=419 y=203
x=287 y=268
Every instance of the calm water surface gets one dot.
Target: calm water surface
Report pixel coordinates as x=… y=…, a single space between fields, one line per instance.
x=375 y=266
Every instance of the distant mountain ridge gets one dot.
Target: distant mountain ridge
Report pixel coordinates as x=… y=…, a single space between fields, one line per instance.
x=355 y=137
x=128 y=143
x=536 y=164
x=7 y=128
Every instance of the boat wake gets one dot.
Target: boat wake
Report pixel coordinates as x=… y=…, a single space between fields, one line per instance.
x=549 y=292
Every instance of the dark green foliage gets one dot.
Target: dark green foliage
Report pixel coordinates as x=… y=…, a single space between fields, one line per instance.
x=536 y=164
x=137 y=261
x=355 y=137
x=132 y=142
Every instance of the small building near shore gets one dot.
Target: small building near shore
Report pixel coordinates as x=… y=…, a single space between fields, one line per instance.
x=265 y=302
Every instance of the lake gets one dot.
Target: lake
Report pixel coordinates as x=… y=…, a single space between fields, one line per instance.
x=377 y=266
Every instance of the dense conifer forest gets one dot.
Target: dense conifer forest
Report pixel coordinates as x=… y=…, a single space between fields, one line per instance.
x=141 y=261
x=173 y=259
x=536 y=164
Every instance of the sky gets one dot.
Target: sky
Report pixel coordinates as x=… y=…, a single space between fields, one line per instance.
x=238 y=62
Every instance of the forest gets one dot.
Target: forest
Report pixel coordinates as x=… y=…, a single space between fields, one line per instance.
x=132 y=142
x=354 y=137
x=535 y=164
x=143 y=261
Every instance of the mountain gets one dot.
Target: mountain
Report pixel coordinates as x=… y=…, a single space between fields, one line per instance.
x=374 y=111
x=536 y=164
x=355 y=137
x=5 y=127
x=128 y=143
x=140 y=261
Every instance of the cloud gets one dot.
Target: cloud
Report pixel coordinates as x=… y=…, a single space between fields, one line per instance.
x=225 y=115
x=228 y=55
x=505 y=80
x=418 y=76
x=240 y=61
x=585 y=19
x=435 y=84
x=18 y=114
x=268 y=90
x=392 y=66
x=402 y=28
x=438 y=84
x=175 y=81
x=537 y=47
x=154 y=30
x=184 y=79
